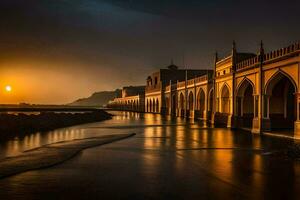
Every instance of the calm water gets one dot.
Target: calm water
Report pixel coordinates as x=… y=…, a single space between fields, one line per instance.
x=167 y=159
x=17 y=145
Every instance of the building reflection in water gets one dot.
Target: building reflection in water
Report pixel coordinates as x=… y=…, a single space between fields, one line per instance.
x=17 y=145
x=230 y=156
x=218 y=151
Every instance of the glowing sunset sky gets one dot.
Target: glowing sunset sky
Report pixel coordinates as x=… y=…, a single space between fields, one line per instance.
x=58 y=52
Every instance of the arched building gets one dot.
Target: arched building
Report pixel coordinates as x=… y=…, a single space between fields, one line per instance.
x=259 y=92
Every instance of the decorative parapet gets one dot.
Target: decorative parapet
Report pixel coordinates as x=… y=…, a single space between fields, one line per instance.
x=190 y=82
x=181 y=84
x=153 y=88
x=169 y=88
x=277 y=54
x=282 y=52
x=247 y=63
x=201 y=79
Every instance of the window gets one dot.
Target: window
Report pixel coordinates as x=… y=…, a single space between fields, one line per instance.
x=224 y=72
x=155 y=82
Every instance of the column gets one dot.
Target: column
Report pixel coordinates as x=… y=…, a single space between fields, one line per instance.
x=255 y=107
x=297 y=123
x=268 y=107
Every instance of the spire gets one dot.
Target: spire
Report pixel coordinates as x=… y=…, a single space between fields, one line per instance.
x=261 y=51
x=234 y=57
x=216 y=57
x=233 y=47
x=172 y=61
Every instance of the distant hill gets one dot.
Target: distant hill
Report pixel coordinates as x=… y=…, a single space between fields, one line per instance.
x=97 y=99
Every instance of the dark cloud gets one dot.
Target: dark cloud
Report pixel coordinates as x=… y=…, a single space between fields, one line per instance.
x=112 y=40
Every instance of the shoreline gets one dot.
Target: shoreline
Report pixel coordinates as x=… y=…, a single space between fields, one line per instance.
x=19 y=125
x=53 y=154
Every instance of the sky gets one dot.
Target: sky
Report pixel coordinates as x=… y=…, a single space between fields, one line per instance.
x=55 y=51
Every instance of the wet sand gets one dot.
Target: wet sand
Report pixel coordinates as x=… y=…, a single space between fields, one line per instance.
x=53 y=154
x=165 y=162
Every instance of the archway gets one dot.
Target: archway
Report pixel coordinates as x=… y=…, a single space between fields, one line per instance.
x=147 y=105
x=201 y=102
x=174 y=104
x=281 y=107
x=181 y=101
x=225 y=101
x=153 y=106
x=157 y=106
x=191 y=101
x=167 y=103
x=181 y=104
x=245 y=103
x=150 y=107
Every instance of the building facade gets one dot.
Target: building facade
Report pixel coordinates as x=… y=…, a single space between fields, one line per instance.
x=132 y=99
x=156 y=87
x=259 y=92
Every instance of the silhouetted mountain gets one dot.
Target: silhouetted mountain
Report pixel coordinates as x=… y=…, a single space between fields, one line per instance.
x=97 y=99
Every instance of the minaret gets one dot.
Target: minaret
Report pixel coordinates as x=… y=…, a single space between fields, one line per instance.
x=231 y=120
x=216 y=58
x=214 y=107
x=261 y=95
x=261 y=51
x=233 y=53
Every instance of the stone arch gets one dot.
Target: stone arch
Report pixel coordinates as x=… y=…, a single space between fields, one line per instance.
x=245 y=102
x=181 y=104
x=201 y=100
x=150 y=106
x=181 y=101
x=191 y=101
x=280 y=103
x=225 y=99
x=153 y=105
x=174 y=104
x=157 y=106
x=243 y=86
x=275 y=78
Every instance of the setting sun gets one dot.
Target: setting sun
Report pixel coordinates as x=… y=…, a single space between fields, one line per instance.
x=8 y=88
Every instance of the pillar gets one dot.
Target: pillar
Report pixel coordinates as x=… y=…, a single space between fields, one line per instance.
x=266 y=122
x=297 y=122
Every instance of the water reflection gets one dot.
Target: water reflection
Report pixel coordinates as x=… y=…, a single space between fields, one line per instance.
x=18 y=145
x=181 y=150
